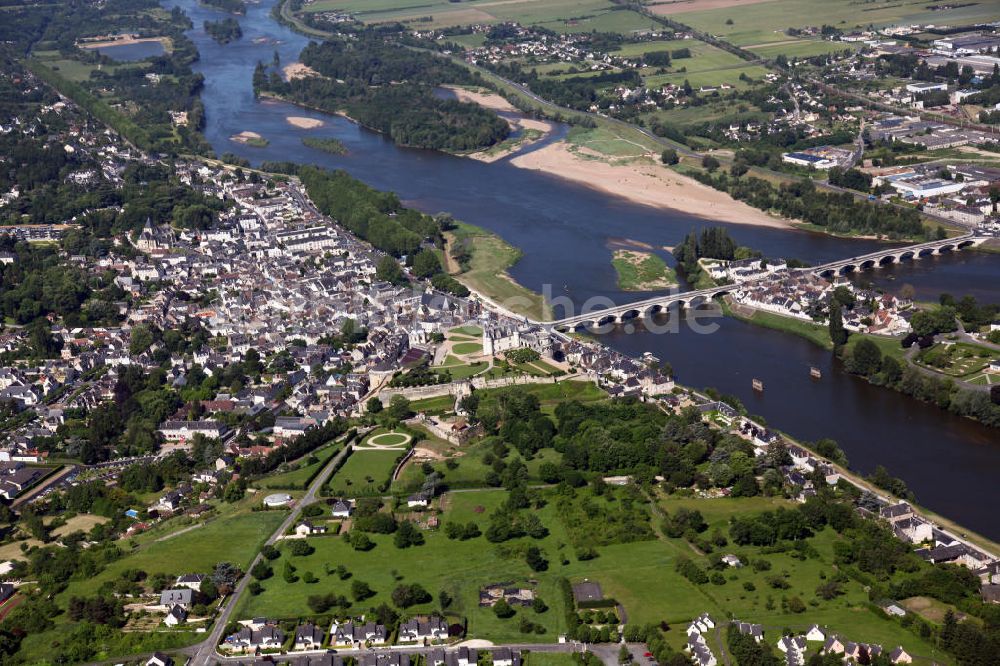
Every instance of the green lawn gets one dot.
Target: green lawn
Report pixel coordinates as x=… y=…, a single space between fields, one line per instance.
x=467 y=347
x=460 y=567
x=890 y=346
x=467 y=330
x=388 y=439
x=470 y=471
x=440 y=404
x=816 y=333
x=956 y=360
x=640 y=575
x=606 y=140
x=463 y=370
x=302 y=473
x=235 y=539
x=363 y=473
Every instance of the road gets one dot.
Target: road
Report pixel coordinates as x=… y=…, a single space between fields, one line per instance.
x=204 y=653
x=417 y=650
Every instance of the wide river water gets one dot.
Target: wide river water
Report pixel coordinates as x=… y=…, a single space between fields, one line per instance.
x=566 y=232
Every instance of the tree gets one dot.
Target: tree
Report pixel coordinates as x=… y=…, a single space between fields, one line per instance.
x=374 y=405
x=261 y=571
x=359 y=540
x=388 y=269
x=405 y=596
x=866 y=359
x=535 y=559
x=360 y=590
x=300 y=547
x=408 y=535
x=502 y=609
x=891 y=370
x=669 y=156
x=399 y=408
x=426 y=264
x=140 y=339
x=709 y=163
x=838 y=334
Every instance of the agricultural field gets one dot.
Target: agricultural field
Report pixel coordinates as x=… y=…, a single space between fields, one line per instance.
x=754 y=22
x=557 y=15
x=78 y=71
x=800 y=48
x=707 y=66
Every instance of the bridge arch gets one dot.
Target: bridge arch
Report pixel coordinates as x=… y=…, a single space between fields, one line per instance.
x=631 y=313
x=847 y=268
x=948 y=247
x=866 y=264
x=887 y=260
x=964 y=244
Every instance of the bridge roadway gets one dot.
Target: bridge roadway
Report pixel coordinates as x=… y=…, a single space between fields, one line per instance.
x=650 y=306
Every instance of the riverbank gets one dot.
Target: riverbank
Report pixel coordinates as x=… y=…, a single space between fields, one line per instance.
x=483 y=269
x=643 y=181
x=814 y=333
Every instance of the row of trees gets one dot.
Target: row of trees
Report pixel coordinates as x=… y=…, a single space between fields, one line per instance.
x=835 y=212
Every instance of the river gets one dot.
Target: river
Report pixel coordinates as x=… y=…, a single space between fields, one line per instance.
x=566 y=232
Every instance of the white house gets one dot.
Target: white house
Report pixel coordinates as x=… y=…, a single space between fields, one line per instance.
x=433 y=629
x=815 y=634
x=306 y=528
x=175 y=616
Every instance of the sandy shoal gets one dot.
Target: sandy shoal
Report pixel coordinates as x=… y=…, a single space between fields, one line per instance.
x=245 y=136
x=125 y=41
x=486 y=100
x=297 y=70
x=304 y=123
x=646 y=183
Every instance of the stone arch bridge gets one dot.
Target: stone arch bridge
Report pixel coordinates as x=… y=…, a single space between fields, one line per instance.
x=651 y=306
